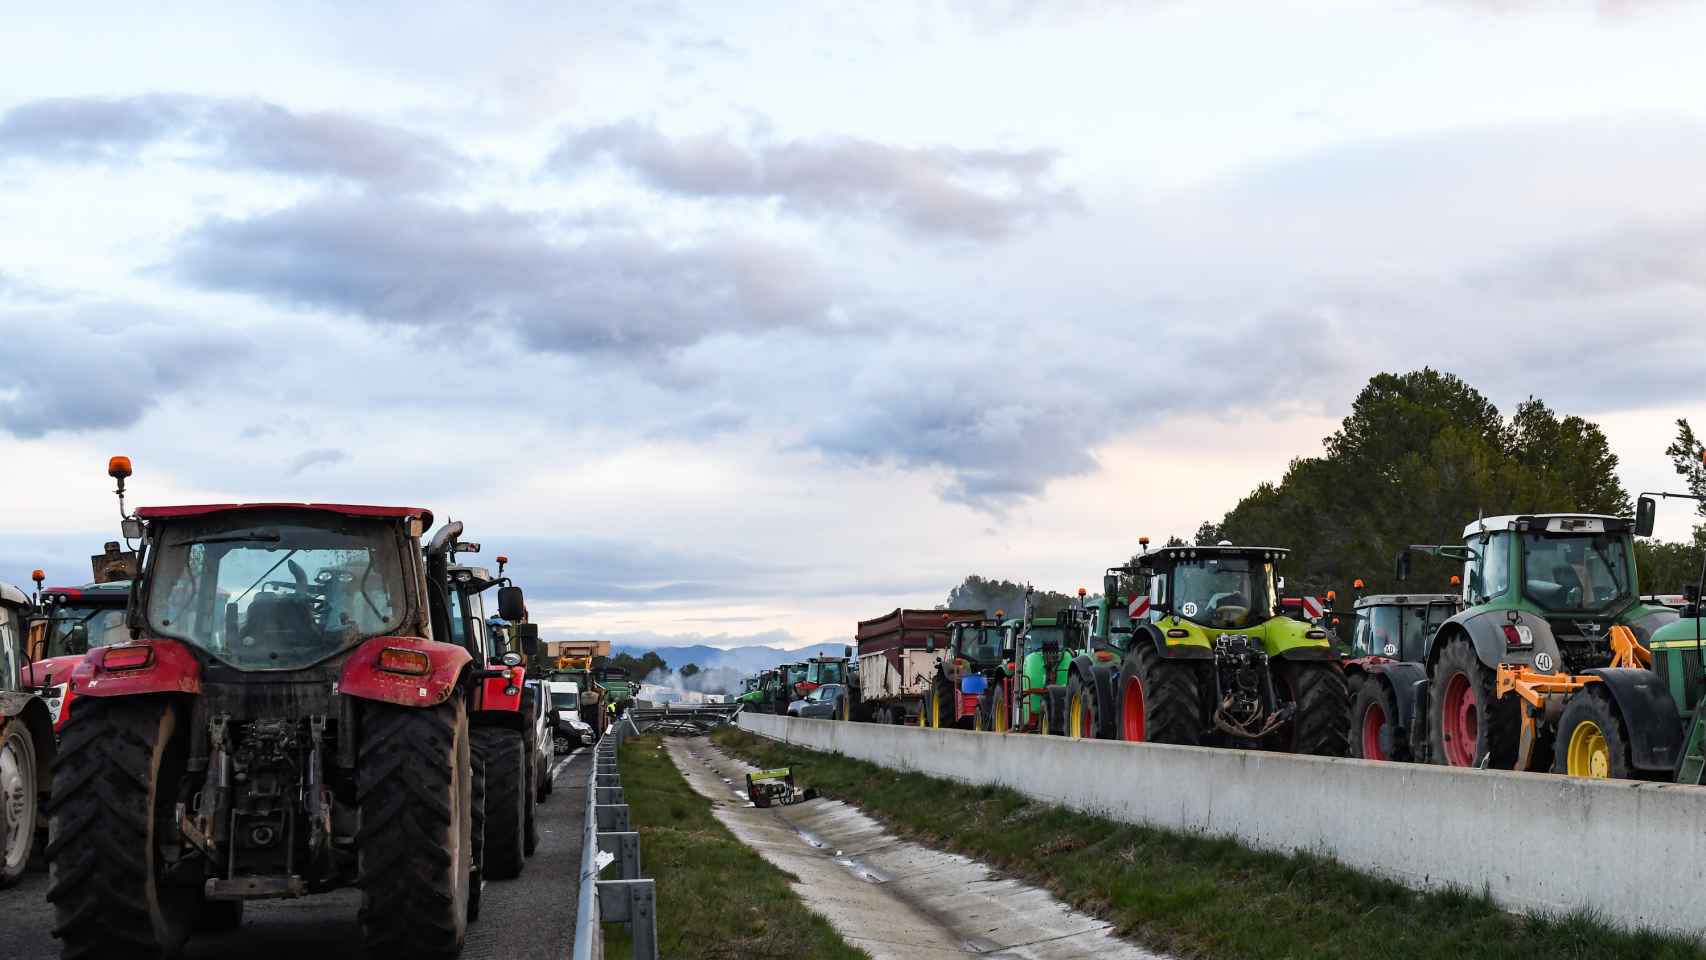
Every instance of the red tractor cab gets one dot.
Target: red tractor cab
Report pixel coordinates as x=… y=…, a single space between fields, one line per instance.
x=71 y=622
x=282 y=721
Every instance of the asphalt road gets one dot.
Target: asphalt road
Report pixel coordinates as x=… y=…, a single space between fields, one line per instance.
x=529 y=918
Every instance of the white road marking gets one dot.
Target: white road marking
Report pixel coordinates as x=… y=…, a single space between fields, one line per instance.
x=563 y=763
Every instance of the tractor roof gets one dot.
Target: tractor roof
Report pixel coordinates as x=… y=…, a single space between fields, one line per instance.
x=113 y=591
x=1217 y=550
x=1405 y=599
x=1607 y=523
x=345 y=509
x=13 y=596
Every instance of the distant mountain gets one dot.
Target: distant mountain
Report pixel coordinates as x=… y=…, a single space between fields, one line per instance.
x=743 y=659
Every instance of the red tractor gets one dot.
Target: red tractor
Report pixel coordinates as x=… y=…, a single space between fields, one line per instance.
x=505 y=831
x=284 y=720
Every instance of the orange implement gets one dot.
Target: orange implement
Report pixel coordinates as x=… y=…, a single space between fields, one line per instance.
x=1543 y=694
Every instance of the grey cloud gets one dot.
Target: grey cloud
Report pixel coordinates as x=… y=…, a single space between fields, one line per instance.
x=1606 y=9
x=237 y=134
x=981 y=194
x=1632 y=259
x=315 y=458
x=126 y=358
x=605 y=571
x=420 y=265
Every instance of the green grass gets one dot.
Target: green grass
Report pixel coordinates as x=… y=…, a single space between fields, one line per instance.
x=1201 y=897
x=717 y=898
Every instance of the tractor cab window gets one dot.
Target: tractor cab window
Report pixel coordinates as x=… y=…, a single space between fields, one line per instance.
x=11 y=661
x=1386 y=631
x=1040 y=636
x=276 y=595
x=1487 y=575
x=74 y=630
x=833 y=672
x=1361 y=636
x=1224 y=591
x=1575 y=572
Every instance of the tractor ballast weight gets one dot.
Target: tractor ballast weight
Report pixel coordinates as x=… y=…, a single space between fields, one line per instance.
x=282 y=723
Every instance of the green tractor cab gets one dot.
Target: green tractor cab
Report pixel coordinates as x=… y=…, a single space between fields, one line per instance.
x=1093 y=674
x=1212 y=660
x=1544 y=595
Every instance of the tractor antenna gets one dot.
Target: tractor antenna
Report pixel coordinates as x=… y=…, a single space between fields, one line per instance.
x=119 y=469
x=38 y=576
x=502 y=560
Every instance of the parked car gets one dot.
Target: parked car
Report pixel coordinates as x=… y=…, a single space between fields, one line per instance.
x=536 y=704
x=569 y=730
x=823 y=703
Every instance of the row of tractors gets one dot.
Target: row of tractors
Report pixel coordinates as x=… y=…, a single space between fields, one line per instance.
x=771 y=691
x=1544 y=654
x=271 y=700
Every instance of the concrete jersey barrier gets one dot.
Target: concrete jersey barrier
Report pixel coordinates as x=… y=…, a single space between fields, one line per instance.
x=1635 y=853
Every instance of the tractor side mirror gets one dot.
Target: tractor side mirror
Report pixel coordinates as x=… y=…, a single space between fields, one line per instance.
x=1110 y=586
x=511 y=604
x=1646 y=512
x=1401 y=571
x=527 y=635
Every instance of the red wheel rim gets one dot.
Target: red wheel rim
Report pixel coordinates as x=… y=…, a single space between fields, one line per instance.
x=1131 y=709
x=1086 y=725
x=1460 y=721
x=1372 y=720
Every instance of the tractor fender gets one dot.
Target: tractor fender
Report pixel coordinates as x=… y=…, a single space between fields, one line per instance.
x=362 y=677
x=29 y=710
x=1649 y=712
x=1180 y=651
x=1308 y=653
x=1645 y=625
x=1486 y=630
x=501 y=695
x=171 y=668
x=1399 y=676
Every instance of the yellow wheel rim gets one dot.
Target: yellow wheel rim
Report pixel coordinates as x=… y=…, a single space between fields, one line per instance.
x=936 y=712
x=1000 y=710
x=1075 y=716
x=1589 y=755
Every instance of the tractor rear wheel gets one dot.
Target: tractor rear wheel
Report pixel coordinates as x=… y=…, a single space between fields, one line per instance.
x=1375 y=734
x=1054 y=711
x=414 y=781
x=1082 y=717
x=1593 y=739
x=1320 y=723
x=19 y=791
x=114 y=814
x=504 y=756
x=1157 y=699
x=1469 y=721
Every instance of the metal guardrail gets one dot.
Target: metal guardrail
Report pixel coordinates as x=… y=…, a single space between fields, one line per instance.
x=683 y=718
x=609 y=838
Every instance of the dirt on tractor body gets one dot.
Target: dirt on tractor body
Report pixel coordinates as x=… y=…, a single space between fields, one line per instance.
x=892 y=898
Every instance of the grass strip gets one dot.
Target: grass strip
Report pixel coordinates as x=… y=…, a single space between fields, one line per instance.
x=717 y=899
x=1202 y=897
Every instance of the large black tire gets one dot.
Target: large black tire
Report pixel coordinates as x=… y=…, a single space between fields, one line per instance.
x=113 y=810
x=477 y=828
x=504 y=756
x=1054 y=710
x=531 y=842
x=1593 y=738
x=1496 y=720
x=1158 y=700
x=546 y=784
x=19 y=792
x=1375 y=733
x=1083 y=719
x=1321 y=724
x=415 y=785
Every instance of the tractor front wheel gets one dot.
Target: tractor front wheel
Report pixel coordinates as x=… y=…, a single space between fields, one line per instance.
x=1375 y=734
x=1157 y=699
x=503 y=756
x=1593 y=740
x=1054 y=711
x=19 y=790
x=1468 y=720
x=113 y=818
x=1082 y=716
x=1320 y=722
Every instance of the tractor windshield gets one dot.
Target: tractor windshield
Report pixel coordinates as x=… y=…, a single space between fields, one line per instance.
x=831 y=672
x=1576 y=573
x=276 y=595
x=73 y=629
x=1227 y=592
x=980 y=644
x=1043 y=636
x=1399 y=631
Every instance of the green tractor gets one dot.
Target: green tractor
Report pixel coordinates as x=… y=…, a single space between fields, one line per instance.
x=1038 y=652
x=1639 y=717
x=1553 y=602
x=1211 y=659
x=1093 y=673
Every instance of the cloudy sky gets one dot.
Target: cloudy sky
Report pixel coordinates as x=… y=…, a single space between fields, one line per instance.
x=739 y=322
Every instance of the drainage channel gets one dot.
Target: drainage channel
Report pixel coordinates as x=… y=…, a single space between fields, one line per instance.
x=892 y=898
